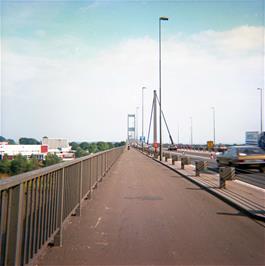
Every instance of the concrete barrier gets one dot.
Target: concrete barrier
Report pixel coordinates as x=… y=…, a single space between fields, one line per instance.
x=167 y=156
x=175 y=158
x=200 y=166
x=226 y=173
x=185 y=161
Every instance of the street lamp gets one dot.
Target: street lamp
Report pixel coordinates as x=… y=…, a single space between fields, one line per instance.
x=143 y=88
x=213 y=108
x=137 y=117
x=160 y=113
x=261 y=109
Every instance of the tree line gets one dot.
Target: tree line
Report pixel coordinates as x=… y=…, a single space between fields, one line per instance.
x=22 y=141
x=20 y=164
x=84 y=148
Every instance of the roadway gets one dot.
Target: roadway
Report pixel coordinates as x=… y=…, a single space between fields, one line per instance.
x=145 y=214
x=253 y=177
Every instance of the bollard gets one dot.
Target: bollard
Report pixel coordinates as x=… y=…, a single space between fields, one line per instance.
x=200 y=166
x=225 y=173
x=167 y=156
x=175 y=158
x=184 y=161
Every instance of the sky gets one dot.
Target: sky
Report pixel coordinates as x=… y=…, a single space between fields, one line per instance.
x=75 y=69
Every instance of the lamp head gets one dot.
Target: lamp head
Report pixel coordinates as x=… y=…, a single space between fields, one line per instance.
x=163 y=18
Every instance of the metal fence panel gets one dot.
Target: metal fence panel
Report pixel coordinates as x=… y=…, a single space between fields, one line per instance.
x=34 y=205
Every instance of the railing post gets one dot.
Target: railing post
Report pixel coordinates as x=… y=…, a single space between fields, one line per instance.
x=58 y=239
x=3 y=224
x=78 y=210
x=90 y=179
x=19 y=225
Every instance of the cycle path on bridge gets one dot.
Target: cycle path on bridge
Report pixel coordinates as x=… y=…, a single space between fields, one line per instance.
x=145 y=214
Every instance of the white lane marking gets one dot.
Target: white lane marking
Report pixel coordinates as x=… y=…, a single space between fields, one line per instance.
x=249 y=185
x=98 y=221
x=102 y=243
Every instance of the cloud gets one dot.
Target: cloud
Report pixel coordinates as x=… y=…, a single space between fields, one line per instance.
x=90 y=97
x=90 y=5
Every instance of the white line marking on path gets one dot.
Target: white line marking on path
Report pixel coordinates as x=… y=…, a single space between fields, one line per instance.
x=98 y=221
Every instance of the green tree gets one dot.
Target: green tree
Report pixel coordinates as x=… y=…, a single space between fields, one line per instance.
x=11 y=142
x=18 y=165
x=51 y=159
x=102 y=146
x=5 y=165
x=110 y=144
x=2 y=139
x=29 y=141
x=92 y=148
x=80 y=153
x=74 y=145
x=33 y=164
x=119 y=144
x=84 y=146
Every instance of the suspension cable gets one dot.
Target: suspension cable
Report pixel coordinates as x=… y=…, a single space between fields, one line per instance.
x=171 y=139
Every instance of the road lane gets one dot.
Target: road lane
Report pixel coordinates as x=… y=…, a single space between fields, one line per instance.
x=144 y=214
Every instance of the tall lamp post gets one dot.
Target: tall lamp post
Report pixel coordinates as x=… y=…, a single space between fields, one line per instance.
x=137 y=118
x=160 y=113
x=143 y=88
x=261 y=108
x=213 y=108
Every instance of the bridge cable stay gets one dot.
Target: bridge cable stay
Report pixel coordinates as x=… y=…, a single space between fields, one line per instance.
x=170 y=137
x=150 y=122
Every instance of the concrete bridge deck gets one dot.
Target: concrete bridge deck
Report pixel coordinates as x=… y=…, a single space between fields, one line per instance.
x=145 y=214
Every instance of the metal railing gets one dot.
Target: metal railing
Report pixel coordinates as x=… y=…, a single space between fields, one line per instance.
x=34 y=205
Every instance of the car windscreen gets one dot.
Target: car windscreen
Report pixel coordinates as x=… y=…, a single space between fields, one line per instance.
x=251 y=151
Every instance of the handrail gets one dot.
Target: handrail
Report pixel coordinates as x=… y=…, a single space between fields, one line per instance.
x=35 y=205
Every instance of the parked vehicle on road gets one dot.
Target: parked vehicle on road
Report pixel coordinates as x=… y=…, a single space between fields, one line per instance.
x=244 y=157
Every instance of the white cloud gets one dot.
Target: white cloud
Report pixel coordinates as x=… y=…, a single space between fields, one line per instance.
x=89 y=98
x=90 y=5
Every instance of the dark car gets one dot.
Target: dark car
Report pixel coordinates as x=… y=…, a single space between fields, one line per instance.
x=172 y=147
x=250 y=157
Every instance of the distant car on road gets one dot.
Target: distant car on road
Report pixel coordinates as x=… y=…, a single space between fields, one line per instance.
x=172 y=147
x=244 y=157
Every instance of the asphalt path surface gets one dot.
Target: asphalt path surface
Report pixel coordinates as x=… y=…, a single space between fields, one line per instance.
x=253 y=177
x=145 y=214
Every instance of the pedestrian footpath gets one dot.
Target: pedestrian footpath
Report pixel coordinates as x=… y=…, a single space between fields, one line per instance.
x=143 y=213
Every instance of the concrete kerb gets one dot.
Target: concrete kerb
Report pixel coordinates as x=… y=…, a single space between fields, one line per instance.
x=215 y=193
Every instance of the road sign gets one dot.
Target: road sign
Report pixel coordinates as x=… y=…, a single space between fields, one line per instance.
x=252 y=137
x=142 y=138
x=210 y=144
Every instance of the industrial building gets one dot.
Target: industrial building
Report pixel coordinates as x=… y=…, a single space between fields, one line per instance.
x=60 y=147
